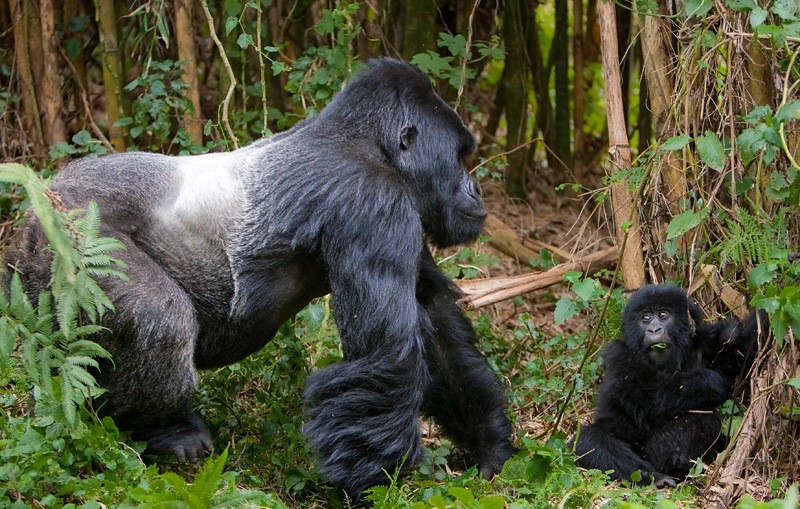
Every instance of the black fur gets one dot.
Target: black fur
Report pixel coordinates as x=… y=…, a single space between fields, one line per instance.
x=657 y=409
x=224 y=248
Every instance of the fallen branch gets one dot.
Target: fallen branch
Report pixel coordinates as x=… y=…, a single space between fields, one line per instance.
x=503 y=238
x=484 y=292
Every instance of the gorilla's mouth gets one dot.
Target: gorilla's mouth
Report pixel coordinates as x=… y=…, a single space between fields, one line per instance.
x=658 y=346
x=475 y=215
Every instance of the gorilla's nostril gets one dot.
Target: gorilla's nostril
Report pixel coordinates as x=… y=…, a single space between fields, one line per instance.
x=474 y=188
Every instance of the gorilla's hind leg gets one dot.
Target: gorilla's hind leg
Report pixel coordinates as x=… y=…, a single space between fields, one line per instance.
x=465 y=397
x=151 y=338
x=675 y=445
x=597 y=448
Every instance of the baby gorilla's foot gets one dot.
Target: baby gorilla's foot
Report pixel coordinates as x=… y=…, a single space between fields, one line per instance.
x=664 y=481
x=187 y=440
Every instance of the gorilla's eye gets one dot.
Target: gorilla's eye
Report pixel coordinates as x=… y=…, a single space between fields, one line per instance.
x=662 y=315
x=646 y=317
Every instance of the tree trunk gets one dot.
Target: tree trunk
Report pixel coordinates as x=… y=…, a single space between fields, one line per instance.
x=622 y=15
x=540 y=75
x=113 y=80
x=577 y=89
x=27 y=90
x=563 y=147
x=656 y=53
x=420 y=33
x=52 y=101
x=625 y=214
x=515 y=93
x=184 y=33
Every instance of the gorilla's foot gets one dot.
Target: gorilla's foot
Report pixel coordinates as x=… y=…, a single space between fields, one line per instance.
x=187 y=440
x=664 y=481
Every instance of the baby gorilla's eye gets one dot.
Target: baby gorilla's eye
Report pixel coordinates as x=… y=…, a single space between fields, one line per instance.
x=662 y=315
x=646 y=318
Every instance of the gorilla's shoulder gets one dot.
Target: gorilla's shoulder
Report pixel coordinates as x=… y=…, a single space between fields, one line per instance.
x=618 y=356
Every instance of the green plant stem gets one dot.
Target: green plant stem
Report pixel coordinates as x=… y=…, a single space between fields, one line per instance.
x=226 y=63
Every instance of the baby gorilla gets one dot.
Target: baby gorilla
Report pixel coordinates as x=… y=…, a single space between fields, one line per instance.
x=662 y=384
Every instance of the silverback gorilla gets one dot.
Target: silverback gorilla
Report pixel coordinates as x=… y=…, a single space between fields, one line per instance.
x=224 y=248
x=662 y=384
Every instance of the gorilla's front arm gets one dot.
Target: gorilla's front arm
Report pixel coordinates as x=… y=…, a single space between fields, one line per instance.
x=651 y=396
x=362 y=413
x=464 y=396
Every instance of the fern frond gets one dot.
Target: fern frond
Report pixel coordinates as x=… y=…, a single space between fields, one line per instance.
x=67 y=309
x=102 y=245
x=89 y=223
x=68 y=403
x=8 y=336
x=207 y=481
x=20 y=305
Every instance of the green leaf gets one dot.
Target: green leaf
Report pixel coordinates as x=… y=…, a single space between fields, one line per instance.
x=244 y=40
x=676 y=143
x=741 y=5
x=794 y=382
x=124 y=121
x=492 y=502
x=788 y=112
x=758 y=16
x=585 y=289
x=711 y=150
x=230 y=24
x=762 y=274
x=462 y=494
x=787 y=10
x=566 y=308
x=685 y=221
x=697 y=7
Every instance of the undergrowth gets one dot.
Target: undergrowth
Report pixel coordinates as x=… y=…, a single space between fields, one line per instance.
x=56 y=452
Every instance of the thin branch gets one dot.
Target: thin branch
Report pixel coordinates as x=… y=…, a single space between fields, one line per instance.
x=225 y=102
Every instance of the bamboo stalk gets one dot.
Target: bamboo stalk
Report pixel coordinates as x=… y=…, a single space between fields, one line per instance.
x=184 y=33
x=626 y=218
x=112 y=70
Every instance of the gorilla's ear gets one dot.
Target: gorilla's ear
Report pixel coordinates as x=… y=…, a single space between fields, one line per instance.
x=407 y=137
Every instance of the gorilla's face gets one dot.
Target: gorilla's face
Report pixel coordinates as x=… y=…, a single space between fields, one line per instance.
x=656 y=324
x=432 y=151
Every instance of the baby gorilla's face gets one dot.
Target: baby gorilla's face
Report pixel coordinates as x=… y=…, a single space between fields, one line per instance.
x=655 y=326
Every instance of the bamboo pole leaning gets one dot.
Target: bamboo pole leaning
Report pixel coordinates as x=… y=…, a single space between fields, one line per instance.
x=629 y=240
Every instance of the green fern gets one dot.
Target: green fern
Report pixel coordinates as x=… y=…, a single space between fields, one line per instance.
x=52 y=338
x=750 y=240
x=211 y=489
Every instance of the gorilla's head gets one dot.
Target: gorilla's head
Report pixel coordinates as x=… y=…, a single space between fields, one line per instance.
x=422 y=138
x=659 y=323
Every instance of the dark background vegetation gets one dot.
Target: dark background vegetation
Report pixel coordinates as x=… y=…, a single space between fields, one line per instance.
x=692 y=178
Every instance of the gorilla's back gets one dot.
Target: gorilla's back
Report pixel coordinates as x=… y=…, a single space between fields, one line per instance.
x=176 y=210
